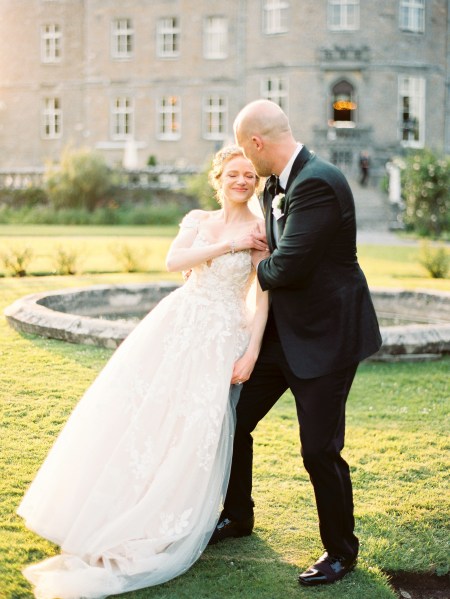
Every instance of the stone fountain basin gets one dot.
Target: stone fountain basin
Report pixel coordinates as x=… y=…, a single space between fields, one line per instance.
x=104 y=315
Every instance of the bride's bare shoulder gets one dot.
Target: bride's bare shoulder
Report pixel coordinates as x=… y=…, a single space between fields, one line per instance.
x=260 y=223
x=200 y=215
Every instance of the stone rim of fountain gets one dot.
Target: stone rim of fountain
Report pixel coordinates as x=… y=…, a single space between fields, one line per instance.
x=49 y=314
x=33 y=314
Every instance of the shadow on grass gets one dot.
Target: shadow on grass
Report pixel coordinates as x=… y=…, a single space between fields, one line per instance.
x=420 y=586
x=250 y=569
x=76 y=353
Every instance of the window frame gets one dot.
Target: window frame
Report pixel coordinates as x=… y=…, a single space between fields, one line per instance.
x=275 y=16
x=413 y=10
x=121 y=118
x=163 y=110
x=119 y=33
x=213 y=33
x=419 y=99
x=51 y=118
x=51 y=43
x=163 y=31
x=277 y=94
x=215 y=112
x=344 y=24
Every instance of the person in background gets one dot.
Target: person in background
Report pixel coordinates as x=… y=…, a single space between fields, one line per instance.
x=364 y=167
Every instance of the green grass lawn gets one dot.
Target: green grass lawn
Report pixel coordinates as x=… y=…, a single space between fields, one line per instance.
x=385 y=266
x=94 y=246
x=397 y=445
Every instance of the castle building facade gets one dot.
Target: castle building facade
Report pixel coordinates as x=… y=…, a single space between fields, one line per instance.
x=165 y=78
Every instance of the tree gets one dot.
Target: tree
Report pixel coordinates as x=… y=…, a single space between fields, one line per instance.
x=80 y=180
x=426 y=191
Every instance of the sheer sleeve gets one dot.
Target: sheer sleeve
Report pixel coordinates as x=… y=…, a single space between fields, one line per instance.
x=189 y=222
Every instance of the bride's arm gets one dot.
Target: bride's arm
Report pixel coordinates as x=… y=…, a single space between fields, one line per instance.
x=244 y=366
x=182 y=256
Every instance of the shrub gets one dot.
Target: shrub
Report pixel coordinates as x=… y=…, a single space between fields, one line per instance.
x=65 y=261
x=169 y=213
x=198 y=186
x=81 y=180
x=130 y=259
x=426 y=190
x=435 y=259
x=8 y=215
x=18 y=198
x=16 y=260
x=152 y=214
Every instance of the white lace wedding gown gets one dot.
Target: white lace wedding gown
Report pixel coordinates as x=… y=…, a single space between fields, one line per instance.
x=132 y=487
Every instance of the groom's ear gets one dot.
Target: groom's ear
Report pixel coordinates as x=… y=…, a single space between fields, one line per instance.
x=257 y=142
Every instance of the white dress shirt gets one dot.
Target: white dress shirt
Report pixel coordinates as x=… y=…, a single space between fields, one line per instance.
x=284 y=176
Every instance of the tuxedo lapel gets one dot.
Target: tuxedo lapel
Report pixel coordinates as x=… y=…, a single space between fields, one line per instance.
x=268 y=215
x=280 y=225
x=299 y=163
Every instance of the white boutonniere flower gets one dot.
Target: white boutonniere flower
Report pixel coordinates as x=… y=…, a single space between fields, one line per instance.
x=278 y=205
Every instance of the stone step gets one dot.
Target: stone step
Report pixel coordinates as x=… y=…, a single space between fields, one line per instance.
x=372 y=207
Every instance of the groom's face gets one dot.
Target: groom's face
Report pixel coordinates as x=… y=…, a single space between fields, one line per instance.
x=253 y=150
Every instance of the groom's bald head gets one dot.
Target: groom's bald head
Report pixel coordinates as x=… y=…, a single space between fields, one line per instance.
x=262 y=130
x=263 y=118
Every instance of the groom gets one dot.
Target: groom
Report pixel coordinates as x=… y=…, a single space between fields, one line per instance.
x=321 y=324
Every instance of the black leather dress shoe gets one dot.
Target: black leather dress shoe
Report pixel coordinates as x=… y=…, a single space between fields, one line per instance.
x=328 y=568
x=227 y=528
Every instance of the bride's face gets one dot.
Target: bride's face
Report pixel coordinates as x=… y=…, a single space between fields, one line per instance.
x=238 y=180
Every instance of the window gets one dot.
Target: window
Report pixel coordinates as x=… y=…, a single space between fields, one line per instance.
x=51 y=42
x=412 y=111
x=342 y=158
x=122 y=38
x=122 y=118
x=275 y=16
x=276 y=89
x=343 y=105
x=51 y=118
x=215 y=37
x=343 y=15
x=215 y=117
x=412 y=15
x=169 y=117
x=168 y=38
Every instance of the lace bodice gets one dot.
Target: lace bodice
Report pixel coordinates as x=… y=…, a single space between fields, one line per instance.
x=221 y=287
x=225 y=278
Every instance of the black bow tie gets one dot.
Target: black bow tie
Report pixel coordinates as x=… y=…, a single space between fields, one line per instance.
x=273 y=186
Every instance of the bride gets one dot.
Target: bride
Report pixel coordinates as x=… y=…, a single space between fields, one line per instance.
x=132 y=488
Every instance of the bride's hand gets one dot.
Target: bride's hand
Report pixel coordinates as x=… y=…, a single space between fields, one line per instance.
x=242 y=369
x=255 y=240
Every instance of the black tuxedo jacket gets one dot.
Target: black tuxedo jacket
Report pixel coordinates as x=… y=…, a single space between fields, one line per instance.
x=318 y=293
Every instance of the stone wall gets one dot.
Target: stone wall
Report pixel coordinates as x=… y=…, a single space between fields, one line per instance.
x=72 y=315
x=306 y=55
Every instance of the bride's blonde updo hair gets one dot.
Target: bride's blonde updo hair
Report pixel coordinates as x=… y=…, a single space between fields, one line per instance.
x=220 y=159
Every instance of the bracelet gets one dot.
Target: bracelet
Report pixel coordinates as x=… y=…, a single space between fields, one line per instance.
x=232 y=246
